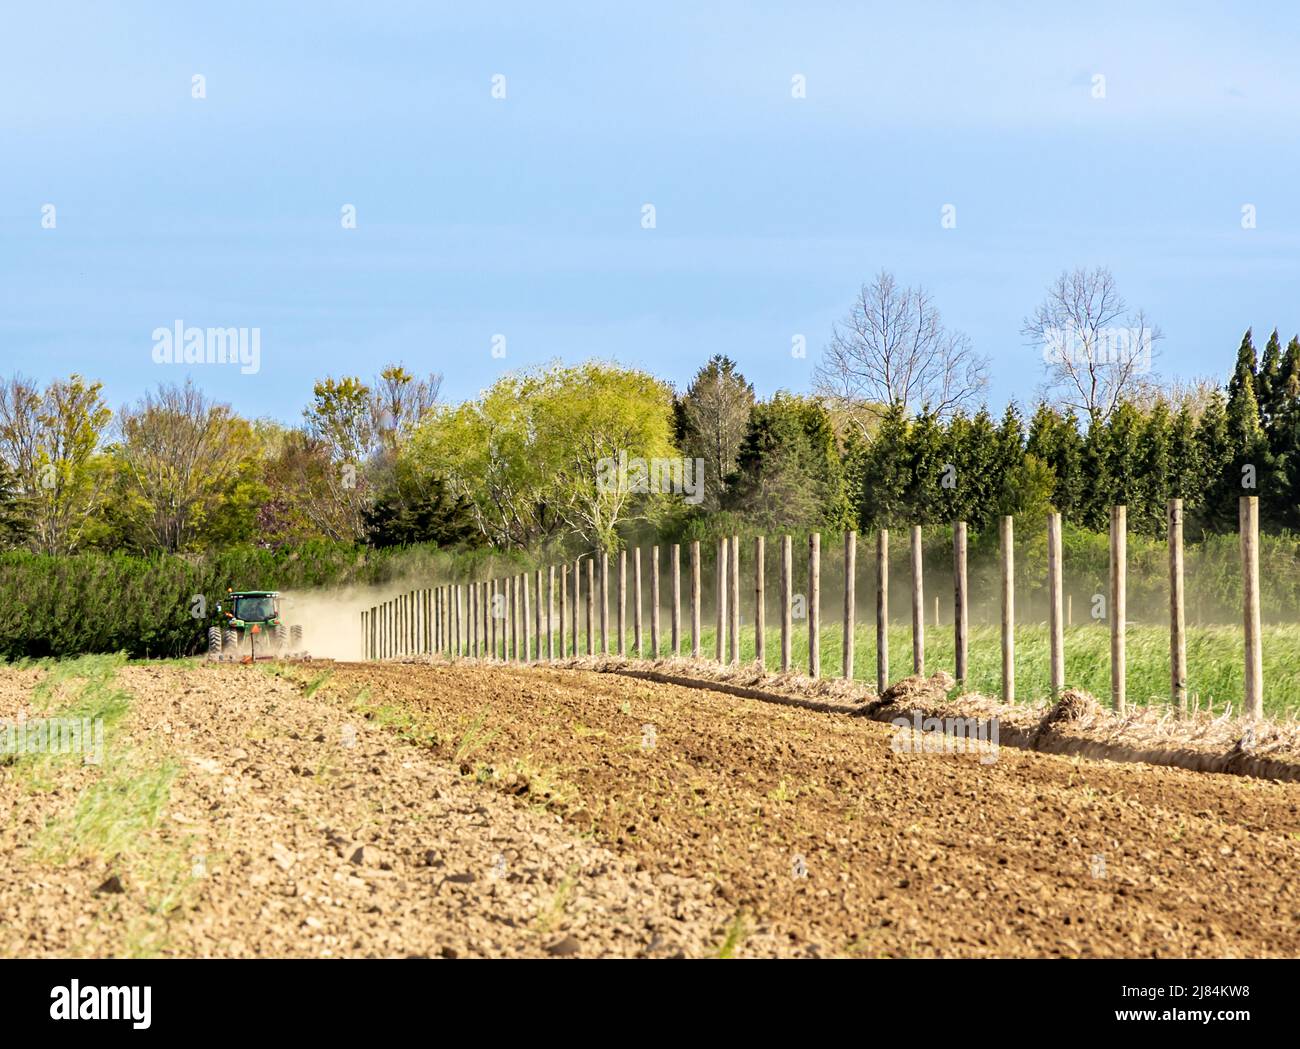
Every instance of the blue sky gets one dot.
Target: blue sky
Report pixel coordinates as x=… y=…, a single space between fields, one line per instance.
x=522 y=217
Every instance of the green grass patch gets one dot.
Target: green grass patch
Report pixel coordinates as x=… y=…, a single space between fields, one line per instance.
x=112 y=814
x=1214 y=659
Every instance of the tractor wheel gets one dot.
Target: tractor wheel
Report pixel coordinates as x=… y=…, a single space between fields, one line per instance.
x=295 y=638
x=214 y=642
x=230 y=643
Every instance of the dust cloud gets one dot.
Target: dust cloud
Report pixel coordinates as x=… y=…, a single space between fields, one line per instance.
x=331 y=618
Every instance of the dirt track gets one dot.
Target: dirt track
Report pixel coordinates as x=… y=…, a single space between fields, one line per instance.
x=532 y=811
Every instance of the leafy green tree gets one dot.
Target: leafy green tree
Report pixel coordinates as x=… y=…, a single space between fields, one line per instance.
x=555 y=452
x=49 y=440
x=188 y=472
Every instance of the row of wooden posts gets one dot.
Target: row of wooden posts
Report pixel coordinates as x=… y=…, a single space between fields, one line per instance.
x=506 y=618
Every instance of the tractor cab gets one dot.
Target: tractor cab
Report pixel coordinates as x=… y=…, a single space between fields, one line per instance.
x=250 y=625
x=253 y=608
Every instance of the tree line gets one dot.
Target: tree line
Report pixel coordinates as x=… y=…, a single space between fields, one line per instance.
x=892 y=433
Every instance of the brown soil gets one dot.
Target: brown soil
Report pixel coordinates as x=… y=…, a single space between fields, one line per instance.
x=493 y=810
x=901 y=854
x=295 y=826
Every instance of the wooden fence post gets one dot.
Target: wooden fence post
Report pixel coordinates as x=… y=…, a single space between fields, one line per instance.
x=1118 y=607
x=476 y=628
x=525 y=619
x=695 y=598
x=721 y=587
x=621 y=647
x=459 y=624
x=815 y=604
x=577 y=605
x=513 y=653
x=961 y=624
x=654 y=602
x=734 y=579
x=365 y=635
x=637 y=642
x=1007 y=541
x=1177 y=612
x=760 y=612
x=550 y=613
x=675 y=567
x=1055 y=628
x=591 y=606
x=1248 y=513
x=882 y=611
x=564 y=604
x=918 y=604
x=604 y=603
x=539 y=610
x=787 y=596
x=850 y=602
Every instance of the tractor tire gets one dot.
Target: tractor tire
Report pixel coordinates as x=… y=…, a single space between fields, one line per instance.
x=295 y=638
x=230 y=643
x=214 y=642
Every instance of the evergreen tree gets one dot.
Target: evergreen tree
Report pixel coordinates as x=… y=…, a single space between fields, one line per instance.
x=1246 y=368
x=1149 y=506
x=887 y=482
x=1186 y=475
x=1054 y=440
x=927 y=445
x=1023 y=482
x=790 y=472
x=1093 y=509
x=1214 y=456
x=407 y=513
x=1284 y=442
x=1268 y=386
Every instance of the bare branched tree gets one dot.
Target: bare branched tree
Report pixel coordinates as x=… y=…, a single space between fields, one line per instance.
x=893 y=348
x=179 y=452
x=716 y=412
x=400 y=400
x=1095 y=351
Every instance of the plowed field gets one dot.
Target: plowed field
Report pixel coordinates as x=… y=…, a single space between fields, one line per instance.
x=402 y=809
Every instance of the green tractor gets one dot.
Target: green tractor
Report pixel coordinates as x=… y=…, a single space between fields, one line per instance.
x=251 y=624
